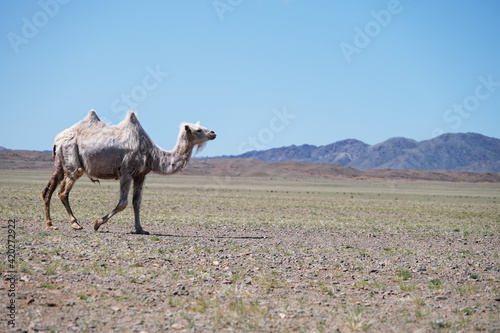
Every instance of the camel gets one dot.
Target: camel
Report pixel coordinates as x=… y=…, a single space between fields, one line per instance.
x=123 y=151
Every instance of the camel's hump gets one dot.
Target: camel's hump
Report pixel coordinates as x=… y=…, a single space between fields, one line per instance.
x=92 y=117
x=132 y=117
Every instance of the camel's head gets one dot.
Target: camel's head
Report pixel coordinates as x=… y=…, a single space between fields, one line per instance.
x=198 y=135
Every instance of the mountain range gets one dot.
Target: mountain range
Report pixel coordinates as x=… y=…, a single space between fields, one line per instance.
x=458 y=152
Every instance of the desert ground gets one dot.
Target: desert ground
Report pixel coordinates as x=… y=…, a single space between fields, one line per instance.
x=255 y=253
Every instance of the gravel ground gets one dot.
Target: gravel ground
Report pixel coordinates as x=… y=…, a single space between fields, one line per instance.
x=269 y=279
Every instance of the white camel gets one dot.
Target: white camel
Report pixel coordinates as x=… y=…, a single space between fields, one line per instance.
x=123 y=152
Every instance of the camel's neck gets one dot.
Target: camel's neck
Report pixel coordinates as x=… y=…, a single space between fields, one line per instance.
x=168 y=162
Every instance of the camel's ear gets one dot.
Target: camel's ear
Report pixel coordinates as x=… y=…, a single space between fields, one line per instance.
x=187 y=128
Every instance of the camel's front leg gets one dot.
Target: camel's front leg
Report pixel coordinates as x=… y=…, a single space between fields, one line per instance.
x=136 y=202
x=125 y=181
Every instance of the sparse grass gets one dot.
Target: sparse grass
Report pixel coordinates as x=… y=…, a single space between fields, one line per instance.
x=403 y=274
x=435 y=284
x=202 y=249
x=389 y=250
x=367 y=284
x=468 y=311
x=25 y=268
x=419 y=314
x=415 y=203
x=346 y=280
x=51 y=268
x=236 y=276
x=200 y=305
x=440 y=324
x=419 y=301
x=356 y=321
x=468 y=288
x=83 y=297
x=269 y=282
x=47 y=286
x=407 y=286
x=329 y=290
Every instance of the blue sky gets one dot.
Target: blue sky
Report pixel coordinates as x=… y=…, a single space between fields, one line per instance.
x=262 y=74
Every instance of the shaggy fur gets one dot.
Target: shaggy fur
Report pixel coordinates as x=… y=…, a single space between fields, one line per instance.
x=123 y=152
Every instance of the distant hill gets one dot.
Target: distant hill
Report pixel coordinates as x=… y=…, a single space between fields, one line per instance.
x=245 y=167
x=25 y=159
x=458 y=152
x=241 y=167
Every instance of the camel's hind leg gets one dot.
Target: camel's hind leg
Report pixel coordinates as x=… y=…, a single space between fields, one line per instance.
x=63 y=194
x=55 y=179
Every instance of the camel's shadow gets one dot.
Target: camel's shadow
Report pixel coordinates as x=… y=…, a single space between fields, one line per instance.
x=184 y=236
x=216 y=237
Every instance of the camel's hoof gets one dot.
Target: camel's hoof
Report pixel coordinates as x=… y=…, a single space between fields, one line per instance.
x=76 y=226
x=142 y=232
x=97 y=224
x=51 y=227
